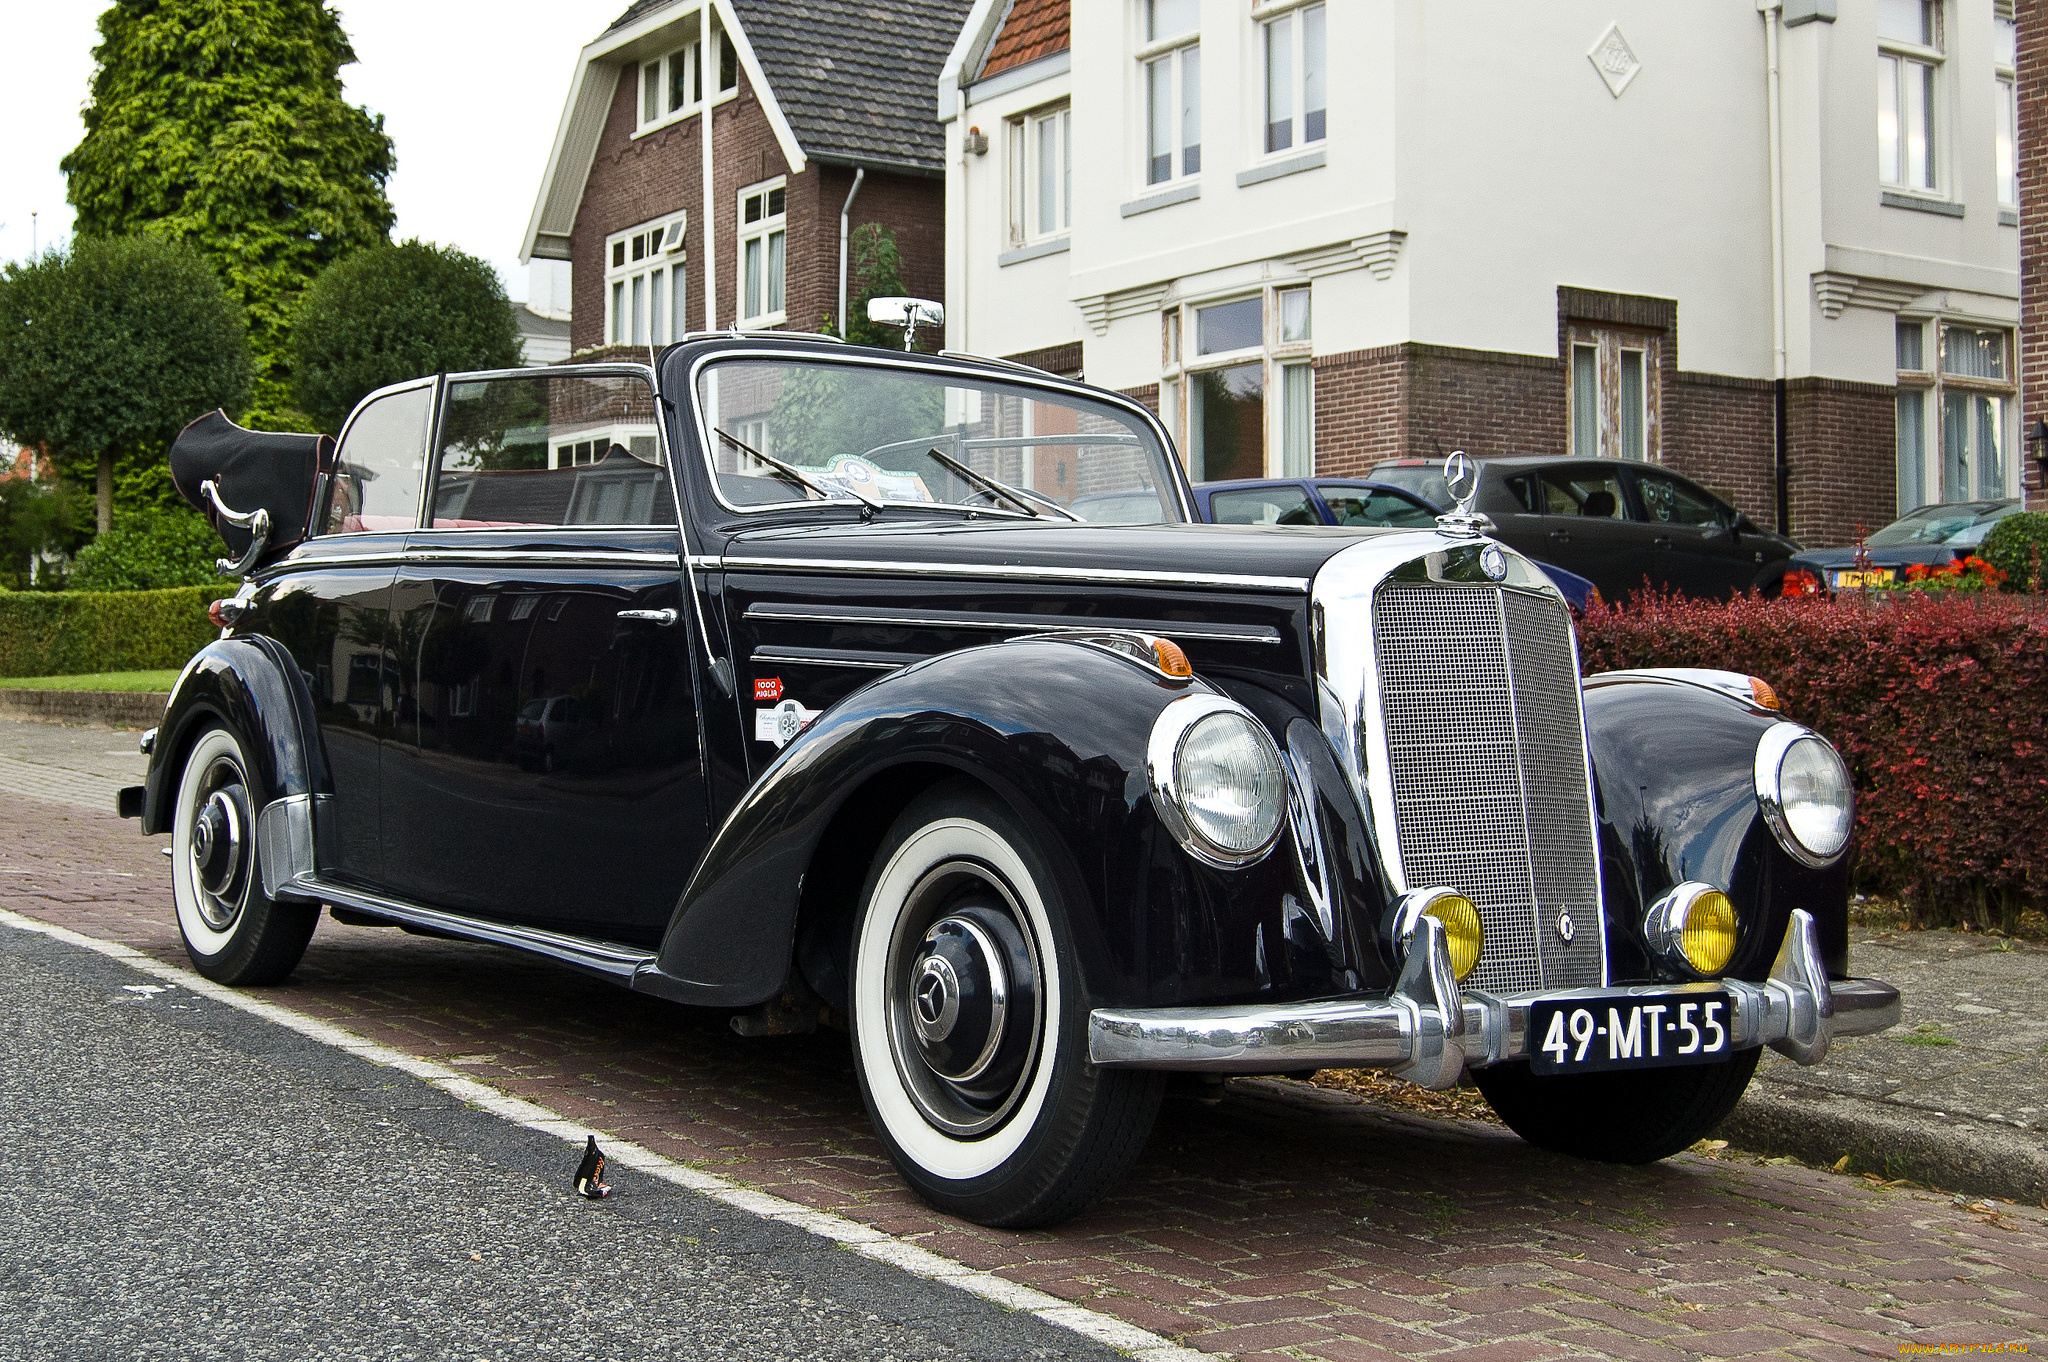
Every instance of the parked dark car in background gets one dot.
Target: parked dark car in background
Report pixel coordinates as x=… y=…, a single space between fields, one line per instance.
x=1930 y=536
x=1615 y=522
x=876 y=727
x=1342 y=501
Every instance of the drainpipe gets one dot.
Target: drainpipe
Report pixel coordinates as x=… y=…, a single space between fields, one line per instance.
x=859 y=173
x=1771 y=11
x=707 y=77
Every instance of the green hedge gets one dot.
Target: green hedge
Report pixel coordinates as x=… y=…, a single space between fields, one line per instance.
x=65 y=633
x=2018 y=547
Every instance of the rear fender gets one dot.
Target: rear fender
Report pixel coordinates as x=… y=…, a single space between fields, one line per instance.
x=253 y=685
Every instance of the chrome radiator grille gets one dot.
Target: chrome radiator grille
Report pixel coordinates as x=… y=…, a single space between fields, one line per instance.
x=1479 y=697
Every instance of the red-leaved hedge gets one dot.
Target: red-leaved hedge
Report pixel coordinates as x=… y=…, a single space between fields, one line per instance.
x=1939 y=703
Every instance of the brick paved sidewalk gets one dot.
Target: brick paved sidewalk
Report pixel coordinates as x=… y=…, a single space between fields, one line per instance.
x=1283 y=1221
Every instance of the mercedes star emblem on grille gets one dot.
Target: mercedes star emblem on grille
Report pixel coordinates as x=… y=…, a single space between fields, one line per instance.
x=1493 y=562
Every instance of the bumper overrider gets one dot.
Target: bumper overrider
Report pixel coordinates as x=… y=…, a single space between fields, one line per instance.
x=1427 y=1031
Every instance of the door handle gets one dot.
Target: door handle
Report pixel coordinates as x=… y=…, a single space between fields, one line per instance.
x=664 y=618
x=1561 y=536
x=1661 y=542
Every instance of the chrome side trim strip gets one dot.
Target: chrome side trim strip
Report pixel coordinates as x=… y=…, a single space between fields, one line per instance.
x=518 y=557
x=607 y=958
x=1007 y=573
x=1025 y=624
x=836 y=657
x=1797 y=1011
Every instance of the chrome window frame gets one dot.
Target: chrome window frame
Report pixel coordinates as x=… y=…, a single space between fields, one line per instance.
x=911 y=362
x=325 y=483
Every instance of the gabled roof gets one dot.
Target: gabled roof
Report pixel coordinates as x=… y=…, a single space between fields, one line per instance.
x=842 y=81
x=1032 y=29
x=1000 y=36
x=851 y=76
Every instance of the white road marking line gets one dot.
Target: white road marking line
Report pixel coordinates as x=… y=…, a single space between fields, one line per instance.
x=865 y=1240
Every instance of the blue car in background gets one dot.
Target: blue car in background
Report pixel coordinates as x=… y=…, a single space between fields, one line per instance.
x=1342 y=502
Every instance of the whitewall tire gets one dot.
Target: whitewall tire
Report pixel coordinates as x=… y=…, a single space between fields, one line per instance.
x=969 y=1016
x=234 y=933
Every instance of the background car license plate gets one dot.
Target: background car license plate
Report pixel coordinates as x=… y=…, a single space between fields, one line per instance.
x=1637 y=1031
x=1853 y=580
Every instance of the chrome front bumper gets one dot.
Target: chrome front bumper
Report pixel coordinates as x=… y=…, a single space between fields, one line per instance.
x=1427 y=1032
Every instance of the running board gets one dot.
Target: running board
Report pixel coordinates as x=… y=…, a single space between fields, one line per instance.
x=607 y=959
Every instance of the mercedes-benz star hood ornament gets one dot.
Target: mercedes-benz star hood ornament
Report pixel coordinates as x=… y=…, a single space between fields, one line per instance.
x=1461 y=476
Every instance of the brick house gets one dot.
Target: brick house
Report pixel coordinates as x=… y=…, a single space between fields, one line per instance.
x=804 y=98
x=1320 y=234
x=2032 y=73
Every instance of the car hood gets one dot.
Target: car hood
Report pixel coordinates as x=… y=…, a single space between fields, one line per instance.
x=1276 y=557
x=1819 y=560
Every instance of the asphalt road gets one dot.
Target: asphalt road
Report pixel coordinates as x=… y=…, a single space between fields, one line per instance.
x=181 y=1180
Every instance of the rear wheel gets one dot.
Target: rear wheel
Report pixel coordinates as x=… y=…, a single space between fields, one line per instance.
x=234 y=933
x=969 y=1022
x=1636 y=1116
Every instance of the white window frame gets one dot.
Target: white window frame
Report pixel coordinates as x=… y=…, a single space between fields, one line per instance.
x=1180 y=331
x=1181 y=53
x=1024 y=145
x=657 y=270
x=687 y=54
x=1938 y=383
x=2007 y=146
x=761 y=232
x=1903 y=53
x=1264 y=17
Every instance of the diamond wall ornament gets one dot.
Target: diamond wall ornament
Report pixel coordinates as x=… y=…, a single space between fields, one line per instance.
x=1614 y=59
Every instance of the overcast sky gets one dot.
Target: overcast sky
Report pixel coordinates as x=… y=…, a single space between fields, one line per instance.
x=470 y=91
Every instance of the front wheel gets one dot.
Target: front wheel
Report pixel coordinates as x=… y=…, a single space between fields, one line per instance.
x=1636 y=1116
x=969 y=1022
x=234 y=933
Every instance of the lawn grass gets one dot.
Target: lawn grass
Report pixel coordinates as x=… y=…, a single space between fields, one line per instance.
x=125 y=681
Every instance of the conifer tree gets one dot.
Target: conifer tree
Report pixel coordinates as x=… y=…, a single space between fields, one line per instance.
x=222 y=123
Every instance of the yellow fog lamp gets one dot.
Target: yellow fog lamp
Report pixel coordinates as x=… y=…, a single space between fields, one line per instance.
x=1464 y=936
x=1693 y=928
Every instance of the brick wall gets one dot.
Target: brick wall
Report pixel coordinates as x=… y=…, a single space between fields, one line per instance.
x=1721 y=432
x=1491 y=405
x=2033 y=175
x=636 y=180
x=1841 y=440
x=1361 y=409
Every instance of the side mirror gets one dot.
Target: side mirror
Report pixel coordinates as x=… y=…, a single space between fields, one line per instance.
x=908 y=313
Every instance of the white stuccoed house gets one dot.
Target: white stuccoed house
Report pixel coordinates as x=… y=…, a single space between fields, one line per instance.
x=1774 y=249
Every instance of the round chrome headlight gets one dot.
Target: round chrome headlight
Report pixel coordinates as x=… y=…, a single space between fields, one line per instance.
x=1804 y=790
x=1216 y=780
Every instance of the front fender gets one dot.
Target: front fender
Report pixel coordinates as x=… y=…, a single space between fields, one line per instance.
x=252 y=684
x=1674 y=769
x=1056 y=729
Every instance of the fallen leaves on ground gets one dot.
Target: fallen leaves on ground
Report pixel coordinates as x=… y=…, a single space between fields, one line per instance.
x=1383 y=1089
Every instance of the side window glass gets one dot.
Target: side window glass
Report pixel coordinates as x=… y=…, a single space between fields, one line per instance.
x=376 y=483
x=550 y=450
x=1378 y=510
x=1526 y=493
x=1582 y=492
x=1670 y=502
x=1274 y=506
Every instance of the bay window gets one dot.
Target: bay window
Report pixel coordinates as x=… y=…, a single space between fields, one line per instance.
x=646 y=283
x=1216 y=383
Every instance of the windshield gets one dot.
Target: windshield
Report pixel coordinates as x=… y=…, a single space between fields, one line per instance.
x=1425 y=480
x=851 y=432
x=1962 y=523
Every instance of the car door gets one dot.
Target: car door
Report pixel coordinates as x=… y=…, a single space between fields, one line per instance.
x=1576 y=517
x=548 y=768
x=332 y=613
x=1694 y=546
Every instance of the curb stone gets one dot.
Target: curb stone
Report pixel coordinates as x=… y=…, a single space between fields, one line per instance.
x=120 y=708
x=1959 y=1154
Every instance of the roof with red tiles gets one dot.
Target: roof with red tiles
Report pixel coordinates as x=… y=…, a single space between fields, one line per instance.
x=1032 y=29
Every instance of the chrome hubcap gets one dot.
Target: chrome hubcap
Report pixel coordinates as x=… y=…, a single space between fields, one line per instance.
x=963 y=999
x=218 y=847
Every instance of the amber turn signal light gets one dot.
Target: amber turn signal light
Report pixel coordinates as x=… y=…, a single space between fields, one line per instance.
x=1172 y=660
x=217 y=615
x=1761 y=689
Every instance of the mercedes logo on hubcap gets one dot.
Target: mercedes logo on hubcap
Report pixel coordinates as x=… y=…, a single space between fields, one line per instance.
x=936 y=998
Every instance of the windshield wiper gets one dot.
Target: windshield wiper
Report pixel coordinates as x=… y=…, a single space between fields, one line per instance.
x=1023 y=500
x=797 y=475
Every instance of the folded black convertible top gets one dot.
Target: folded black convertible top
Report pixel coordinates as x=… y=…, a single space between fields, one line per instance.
x=273 y=470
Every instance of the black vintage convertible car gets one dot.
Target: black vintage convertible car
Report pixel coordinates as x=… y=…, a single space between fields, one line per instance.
x=791 y=679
